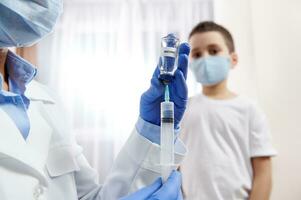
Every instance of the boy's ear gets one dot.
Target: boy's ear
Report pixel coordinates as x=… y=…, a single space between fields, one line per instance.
x=234 y=59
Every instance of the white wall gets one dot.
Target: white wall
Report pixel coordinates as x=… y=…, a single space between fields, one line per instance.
x=268 y=35
x=235 y=15
x=277 y=39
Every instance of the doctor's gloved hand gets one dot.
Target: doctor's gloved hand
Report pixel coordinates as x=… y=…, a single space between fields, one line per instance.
x=151 y=99
x=170 y=190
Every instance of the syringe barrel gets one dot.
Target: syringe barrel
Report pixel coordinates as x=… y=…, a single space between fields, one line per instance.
x=167 y=138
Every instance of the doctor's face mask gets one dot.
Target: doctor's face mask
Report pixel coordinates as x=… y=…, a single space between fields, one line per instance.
x=24 y=22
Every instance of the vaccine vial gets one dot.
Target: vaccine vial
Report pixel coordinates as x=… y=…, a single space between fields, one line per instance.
x=169 y=57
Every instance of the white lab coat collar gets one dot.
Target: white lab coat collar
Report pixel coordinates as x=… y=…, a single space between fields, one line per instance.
x=32 y=153
x=38 y=92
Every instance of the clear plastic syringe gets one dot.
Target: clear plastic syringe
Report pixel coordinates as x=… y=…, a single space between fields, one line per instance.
x=167 y=136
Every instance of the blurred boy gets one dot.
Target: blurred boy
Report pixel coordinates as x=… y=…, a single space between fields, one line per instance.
x=227 y=135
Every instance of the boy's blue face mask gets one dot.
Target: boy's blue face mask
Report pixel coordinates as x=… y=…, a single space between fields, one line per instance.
x=24 y=22
x=210 y=70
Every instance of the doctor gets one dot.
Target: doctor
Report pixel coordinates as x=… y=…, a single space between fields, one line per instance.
x=39 y=158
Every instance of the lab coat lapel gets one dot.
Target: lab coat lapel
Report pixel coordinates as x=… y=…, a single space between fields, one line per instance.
x=11 y=143
x=40 y=134
x=32 y=152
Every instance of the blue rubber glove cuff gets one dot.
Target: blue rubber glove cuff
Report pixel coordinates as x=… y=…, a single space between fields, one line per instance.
x=151 y=131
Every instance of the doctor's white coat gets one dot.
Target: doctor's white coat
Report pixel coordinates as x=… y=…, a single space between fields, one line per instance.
x=49 y=165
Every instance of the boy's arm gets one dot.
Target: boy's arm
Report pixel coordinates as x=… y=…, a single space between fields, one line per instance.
x=262 y=178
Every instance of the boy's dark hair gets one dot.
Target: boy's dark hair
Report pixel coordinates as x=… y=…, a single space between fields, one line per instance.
x=207 y=26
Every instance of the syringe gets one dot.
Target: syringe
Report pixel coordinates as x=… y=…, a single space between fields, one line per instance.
x=167 y=136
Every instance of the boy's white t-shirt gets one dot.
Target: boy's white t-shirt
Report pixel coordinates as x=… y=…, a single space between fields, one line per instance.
x=222 y=136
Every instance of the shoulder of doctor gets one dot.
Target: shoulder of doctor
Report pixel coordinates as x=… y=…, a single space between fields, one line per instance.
x=51 y=109
x=40 y=92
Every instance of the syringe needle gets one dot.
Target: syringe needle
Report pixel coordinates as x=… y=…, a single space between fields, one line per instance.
x=166 y=95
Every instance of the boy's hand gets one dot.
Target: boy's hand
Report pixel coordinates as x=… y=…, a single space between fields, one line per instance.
x=151 y=99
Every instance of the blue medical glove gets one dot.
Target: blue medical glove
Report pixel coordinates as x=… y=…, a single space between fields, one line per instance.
x=170 y=190
x=151 y=99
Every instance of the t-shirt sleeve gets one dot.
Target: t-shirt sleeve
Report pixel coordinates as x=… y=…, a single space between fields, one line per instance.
x=260 y=137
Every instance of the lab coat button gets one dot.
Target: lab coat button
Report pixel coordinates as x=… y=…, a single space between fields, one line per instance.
x=38 y=191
